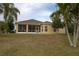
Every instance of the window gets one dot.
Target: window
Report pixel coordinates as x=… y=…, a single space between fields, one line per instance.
x=45 y=28
x=21 y=28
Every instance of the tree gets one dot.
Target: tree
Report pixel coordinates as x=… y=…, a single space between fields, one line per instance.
x=9 y=11
x=75 y=19
x=70 y=14
x=10 y=25
x=3 y=26
x=56 y=21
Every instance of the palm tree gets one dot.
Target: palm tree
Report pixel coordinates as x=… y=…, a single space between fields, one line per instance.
x=9 y=11
x=13 y=14
x=70 y=17
x=63 y=10
x=75 y=14
x=1 y=8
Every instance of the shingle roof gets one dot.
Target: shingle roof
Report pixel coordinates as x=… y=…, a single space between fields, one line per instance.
x=32 y=21
x=47 y=22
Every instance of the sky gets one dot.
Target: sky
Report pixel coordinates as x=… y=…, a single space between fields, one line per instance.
x=37 y=11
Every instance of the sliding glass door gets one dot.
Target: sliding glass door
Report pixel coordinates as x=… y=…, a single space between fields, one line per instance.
x=33 y=28
x=21 y=28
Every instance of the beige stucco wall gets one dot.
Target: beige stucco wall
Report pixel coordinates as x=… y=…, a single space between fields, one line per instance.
x=49 y=27
x=16 y=28
x=50 y=30
x=62 y=30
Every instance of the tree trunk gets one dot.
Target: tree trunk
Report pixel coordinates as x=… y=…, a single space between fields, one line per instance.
x=76 y=36
x=65 y=30
x=69 y=38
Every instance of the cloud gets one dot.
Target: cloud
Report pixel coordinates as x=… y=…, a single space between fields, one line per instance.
x=28 y=7
x=28 y=10
x=1 y=17
x=39 y=11
x=45 y=13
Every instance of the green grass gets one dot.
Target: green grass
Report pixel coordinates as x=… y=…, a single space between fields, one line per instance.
x=36 y=45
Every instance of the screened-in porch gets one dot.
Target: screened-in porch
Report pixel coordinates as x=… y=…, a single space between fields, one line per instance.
x=29 y=28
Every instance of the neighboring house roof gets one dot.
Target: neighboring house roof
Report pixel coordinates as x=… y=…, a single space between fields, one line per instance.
x=32 y=21
x=47 y=22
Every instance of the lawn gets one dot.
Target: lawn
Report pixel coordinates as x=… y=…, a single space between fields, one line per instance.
x=36 y=45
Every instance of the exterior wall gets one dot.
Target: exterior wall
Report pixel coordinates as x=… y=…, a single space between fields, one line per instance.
x=49 y=30
x=16 y=28
x=26 y=27
x=62 y=30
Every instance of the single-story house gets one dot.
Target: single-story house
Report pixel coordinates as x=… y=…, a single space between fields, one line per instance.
x=34 y=26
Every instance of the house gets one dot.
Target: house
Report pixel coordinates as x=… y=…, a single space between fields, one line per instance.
x=34 y=27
